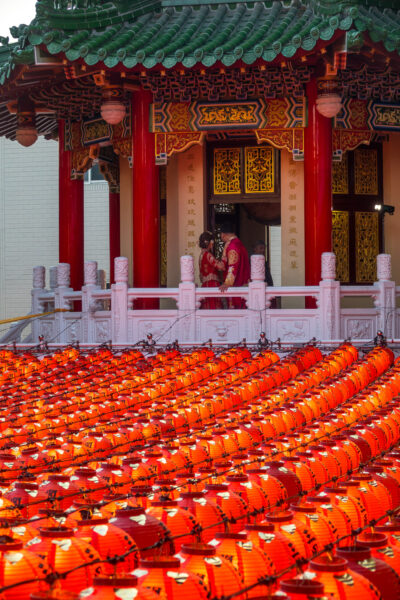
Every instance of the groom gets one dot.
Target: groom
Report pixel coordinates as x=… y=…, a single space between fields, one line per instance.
x=237 y=271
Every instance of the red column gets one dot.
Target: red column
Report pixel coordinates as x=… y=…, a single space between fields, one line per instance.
x=146 y=203
x=114 y=231
x=70 y=215
x=317 y=188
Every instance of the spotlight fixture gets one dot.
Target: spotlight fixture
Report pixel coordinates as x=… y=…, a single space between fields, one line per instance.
x=385 y=208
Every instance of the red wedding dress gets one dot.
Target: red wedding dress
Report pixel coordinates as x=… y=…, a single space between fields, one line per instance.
x=209 y=267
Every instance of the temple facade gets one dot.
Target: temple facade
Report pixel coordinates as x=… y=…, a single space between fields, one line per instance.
x=282 y=118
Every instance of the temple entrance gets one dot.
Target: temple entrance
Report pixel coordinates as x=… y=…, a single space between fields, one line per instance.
x=243 y=188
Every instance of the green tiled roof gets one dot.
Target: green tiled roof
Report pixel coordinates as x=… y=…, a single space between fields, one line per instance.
x=164 y=33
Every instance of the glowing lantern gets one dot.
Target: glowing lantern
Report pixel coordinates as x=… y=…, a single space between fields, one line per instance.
x=110 y=542
x=17 y=565
x=183 y=526
x=149 y=534
x=164 y=575
x=380 y=575
x=63 y=551
x=251 y=562
x=217 y=573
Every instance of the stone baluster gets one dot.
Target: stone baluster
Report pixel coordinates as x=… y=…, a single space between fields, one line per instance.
x=38 y=285
x=63 y=288
x=119 y=302
x=385 y=298
x=329 y=300
x=88 y=303
x=256 y=303
x=187 y=301
x=53 y=278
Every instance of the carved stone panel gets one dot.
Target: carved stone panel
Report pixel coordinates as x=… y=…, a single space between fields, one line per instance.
x=102 y=331
x=46 y=329
x=292 y=329
x=222 y=330
x=360 y=329
x=158 y=328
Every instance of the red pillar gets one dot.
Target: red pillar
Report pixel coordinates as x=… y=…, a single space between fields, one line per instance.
x=146 y=203
x=317 y=188
x=114 y=230
x=70 y=215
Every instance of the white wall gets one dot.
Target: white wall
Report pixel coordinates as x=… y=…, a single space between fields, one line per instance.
x=97 y=245
x=29 y=220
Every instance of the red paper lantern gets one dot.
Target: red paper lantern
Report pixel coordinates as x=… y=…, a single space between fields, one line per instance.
x=164 y=576
x=209 y=514
x=250 y=561
x=182 y=524
x=110 y=542
x=17 y=565
x=63 y=552
x=217 y=573
x=116 y=588
x=150 y=535
x=376 y=571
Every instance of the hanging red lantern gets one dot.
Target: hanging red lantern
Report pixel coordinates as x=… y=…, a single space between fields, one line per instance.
x=379 y=574
x=295 y=531
x=381 y=548
x=182 y=524
x=164 y=576
x=64 y=552
x=340 y=520
x=302 y=589
x=277 y=546
x=349 y=504
x=18 y=565
x=232 y=505
x=209 y=514
x=119 y=587
x=27 y=497
x=340 y=580
x=150 y=535
x=110 y=542
x=324 y=529
x=252 y=494
x=217 y=573
x=250 y=561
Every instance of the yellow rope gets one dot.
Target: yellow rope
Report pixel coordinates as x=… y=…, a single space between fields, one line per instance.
x=51 y=312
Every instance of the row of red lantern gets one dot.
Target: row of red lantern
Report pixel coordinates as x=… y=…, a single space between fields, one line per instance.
x=23 y=432
x=163 y=465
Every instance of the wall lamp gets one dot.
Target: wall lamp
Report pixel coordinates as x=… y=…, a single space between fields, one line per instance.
x=385 y=208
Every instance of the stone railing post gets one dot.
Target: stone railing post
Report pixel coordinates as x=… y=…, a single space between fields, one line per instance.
x=88 y=304
x=329 y=302
x=63 y=288
x=119 y=302
x=38 y=286
x=53 y=278
x=385 y=299
x=187 y=301
x=256 y=303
